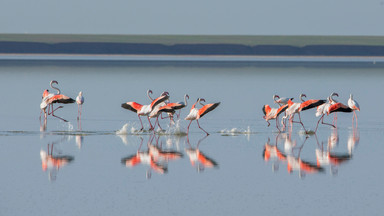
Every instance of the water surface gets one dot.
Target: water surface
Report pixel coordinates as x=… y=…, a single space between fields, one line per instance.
x=245 y=167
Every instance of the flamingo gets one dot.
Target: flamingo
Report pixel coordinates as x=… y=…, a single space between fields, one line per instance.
x=354 y=106
x=158 y=109
x=322 y=110
x=50 y=99
x=196 y=114
x=79 y=101
x=273 y=113
x=144 y=110
x=291 y=110
x=281 y=101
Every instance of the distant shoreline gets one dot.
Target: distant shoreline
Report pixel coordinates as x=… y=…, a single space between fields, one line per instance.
x=199 y=58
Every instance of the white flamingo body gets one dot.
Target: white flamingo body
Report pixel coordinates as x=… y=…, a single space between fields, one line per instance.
x=353 y=104
x=193 y=114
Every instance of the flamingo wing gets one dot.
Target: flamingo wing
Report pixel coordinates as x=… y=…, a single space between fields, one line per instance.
x=206 y=109
x=309 y=104
x=133 y=106
x=339 y=107
x=61 y=99
x=158 y=100
x=266 y=109
x=281 y=110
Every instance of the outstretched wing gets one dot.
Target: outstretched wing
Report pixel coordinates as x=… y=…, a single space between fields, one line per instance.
x=309 y=104
x=206 y=109
x=158 y=100
x=133 y=106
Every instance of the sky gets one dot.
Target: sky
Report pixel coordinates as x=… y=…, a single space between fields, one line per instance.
x=197 y=17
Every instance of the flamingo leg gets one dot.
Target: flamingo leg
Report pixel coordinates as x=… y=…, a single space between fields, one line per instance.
x=319 y=122
x=188 y=126
x=158 y=122
x=151 y=128
x=277 y=125
x=142 y=127
x=201 y=127
x=300 y=122
x=322 y=122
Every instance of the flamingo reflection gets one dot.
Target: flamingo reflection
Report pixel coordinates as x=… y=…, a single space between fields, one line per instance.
x=53 y=162
x=327 y=157
x=198 y=159
x=294 y=163
x=143 y=157
x=155 y=157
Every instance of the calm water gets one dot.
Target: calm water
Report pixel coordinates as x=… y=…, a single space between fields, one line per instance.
x=250 y=169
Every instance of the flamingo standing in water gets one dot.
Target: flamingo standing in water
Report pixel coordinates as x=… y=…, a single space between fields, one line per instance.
x=158 y=109
x=323 y=109
x=79 y=101
x=354 y=106
x=273 y=113
x=291 y=110
x=50 y=99
x=144 y=110
x=196 y=114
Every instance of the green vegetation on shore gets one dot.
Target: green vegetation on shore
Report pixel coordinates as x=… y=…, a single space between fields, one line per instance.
x=297 y=41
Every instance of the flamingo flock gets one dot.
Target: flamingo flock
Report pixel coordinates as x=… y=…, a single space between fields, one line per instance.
x=157 y=106
x=162 y=105
x=323 y=107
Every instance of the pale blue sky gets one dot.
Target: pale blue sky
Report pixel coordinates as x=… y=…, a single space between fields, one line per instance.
x=230 y=17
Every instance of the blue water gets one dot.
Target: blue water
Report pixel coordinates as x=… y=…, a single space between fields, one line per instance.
x=240 y=179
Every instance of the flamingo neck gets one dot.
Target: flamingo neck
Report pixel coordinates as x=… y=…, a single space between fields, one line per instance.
x=185 y=100
x=148 y=94
x=57 y=89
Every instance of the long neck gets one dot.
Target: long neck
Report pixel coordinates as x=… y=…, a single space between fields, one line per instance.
x=301 y=98
x=185 y=100
x=274 y=98
x=148 y=92
x=58 y=90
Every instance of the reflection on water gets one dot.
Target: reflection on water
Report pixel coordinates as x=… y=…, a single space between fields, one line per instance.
x=53 y=159
x=291 y=153
x=154 y=157
x=198 y=159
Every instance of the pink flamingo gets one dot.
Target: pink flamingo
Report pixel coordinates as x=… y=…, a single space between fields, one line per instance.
x=196 y=114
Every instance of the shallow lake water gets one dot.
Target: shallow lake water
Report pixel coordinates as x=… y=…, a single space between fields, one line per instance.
x=242 y=168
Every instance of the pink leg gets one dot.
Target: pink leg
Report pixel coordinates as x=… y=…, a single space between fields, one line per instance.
x=188 y=127
x=277 y=125
x=55 y=115
x=142 y=127
x=151 y=128
x=201 y=127
x=300 y=122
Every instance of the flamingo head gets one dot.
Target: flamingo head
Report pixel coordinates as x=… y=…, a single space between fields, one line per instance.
x=165 y=93
x=334 y=94
x=187 y=96
x=275 y=96
x=200 y=99
x=80 y=93
x=149 y=91
x=54 y=81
